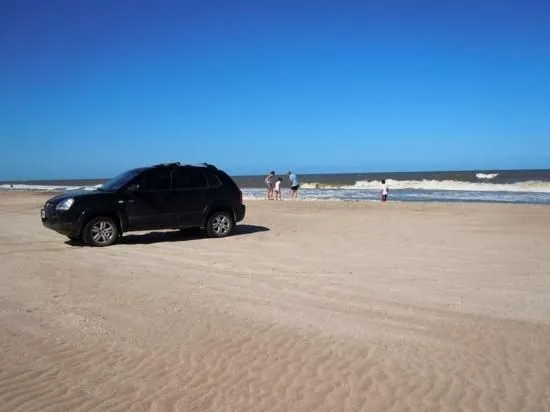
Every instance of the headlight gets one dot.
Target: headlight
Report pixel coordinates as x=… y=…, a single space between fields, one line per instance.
x=65 y=204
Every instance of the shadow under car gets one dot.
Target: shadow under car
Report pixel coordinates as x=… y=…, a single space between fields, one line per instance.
x=175 y=235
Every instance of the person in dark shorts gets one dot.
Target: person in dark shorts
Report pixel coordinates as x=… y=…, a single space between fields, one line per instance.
x=294 y=185
x=384 y=191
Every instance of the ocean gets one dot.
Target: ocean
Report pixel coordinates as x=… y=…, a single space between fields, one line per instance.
x=497 y=186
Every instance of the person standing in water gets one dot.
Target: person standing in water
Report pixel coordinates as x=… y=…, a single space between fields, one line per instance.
x=278 y=189
x=294 y=185
x=384 y=190
x=269 y=183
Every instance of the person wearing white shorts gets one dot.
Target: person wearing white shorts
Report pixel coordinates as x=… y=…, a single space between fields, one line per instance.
x=277 y=189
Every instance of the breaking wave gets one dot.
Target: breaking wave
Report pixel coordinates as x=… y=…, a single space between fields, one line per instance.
x=45 y=188
x=533 y=192
x=487 y=176
x=536 y=186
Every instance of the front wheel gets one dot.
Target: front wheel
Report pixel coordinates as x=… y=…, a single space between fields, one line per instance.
x=100 y=231
x=220 y=224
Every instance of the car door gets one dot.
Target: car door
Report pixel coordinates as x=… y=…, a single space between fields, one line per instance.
x=191 y=195
x=149 y=203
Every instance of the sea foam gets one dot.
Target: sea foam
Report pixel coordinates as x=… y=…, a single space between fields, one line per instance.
x=487 y=176
x=45 y=188
x=534 y=192
x=449 y=185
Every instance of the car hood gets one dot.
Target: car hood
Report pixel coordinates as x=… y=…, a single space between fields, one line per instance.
x=75 y=194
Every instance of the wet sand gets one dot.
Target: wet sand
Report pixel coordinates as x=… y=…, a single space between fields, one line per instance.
x=311 y=306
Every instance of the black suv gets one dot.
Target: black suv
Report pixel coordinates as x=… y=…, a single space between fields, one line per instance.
x=165 y=196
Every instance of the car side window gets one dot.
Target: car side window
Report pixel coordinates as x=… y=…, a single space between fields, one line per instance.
x=154 y=180
x=189 y=178
x=213 y=179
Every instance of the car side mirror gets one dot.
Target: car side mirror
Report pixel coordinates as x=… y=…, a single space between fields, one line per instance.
x=133 y=187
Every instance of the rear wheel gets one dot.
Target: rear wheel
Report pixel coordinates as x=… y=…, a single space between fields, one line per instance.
x=100 y=231
x=220 y=224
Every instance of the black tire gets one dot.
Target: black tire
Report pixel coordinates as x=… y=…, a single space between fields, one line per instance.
x=100 y=232
x=220 y=224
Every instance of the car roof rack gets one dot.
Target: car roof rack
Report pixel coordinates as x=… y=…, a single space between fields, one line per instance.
x=208 y=165
x=167 y=164
x=176 y=164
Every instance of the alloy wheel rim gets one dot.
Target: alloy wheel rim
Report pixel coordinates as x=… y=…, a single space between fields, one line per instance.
x=221 y=224
x=102 y=232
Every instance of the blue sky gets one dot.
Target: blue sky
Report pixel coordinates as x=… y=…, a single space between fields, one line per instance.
x=91 y=88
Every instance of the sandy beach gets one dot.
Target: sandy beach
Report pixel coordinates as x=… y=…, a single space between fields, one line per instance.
x=311 y=306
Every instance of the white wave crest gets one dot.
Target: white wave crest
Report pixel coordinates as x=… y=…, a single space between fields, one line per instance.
x=488 y=176
x=445 y=185
x=534 y=192
x=45 y=188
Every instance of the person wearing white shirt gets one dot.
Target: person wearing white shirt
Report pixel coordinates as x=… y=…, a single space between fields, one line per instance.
x=385 y=191
x=278 y=189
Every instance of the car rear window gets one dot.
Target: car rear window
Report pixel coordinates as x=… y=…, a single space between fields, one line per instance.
x=226 y=180
x=213 y=179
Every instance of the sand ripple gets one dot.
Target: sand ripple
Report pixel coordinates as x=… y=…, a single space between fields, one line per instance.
x=450 y=313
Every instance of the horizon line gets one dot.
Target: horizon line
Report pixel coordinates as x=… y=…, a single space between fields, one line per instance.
x=307 y=174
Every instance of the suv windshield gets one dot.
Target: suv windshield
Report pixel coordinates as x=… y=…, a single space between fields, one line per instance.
x=117 y=182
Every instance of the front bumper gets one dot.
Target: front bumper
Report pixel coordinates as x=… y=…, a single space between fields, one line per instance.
x=65 y=223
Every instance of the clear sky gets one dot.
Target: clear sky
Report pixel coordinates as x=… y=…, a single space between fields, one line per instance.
x=91 y=88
